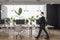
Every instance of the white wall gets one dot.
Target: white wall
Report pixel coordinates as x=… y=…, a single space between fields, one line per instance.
x=3 y=12
x=28 y=11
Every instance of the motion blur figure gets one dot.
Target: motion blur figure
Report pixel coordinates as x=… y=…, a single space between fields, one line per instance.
x=42 y=23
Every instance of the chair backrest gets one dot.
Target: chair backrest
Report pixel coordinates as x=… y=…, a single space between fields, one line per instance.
x=18 y=28
x=37 y=21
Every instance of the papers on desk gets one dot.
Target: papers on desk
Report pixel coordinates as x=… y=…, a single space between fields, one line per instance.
x=30 y=25
x=49 y=26
x=24 y=25
x=6 y=25
x=1 y=25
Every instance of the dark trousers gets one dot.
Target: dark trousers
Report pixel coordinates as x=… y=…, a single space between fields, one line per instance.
x=40 y=30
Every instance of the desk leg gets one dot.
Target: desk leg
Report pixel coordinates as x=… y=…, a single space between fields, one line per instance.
x=30 y=31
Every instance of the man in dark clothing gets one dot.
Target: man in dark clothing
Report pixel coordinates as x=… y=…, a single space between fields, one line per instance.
x=42 y=23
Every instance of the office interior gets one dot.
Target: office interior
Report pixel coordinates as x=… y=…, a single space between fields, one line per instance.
x=15 y=26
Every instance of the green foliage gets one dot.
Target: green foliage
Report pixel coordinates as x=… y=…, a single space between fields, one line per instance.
x=32 y=19
x=14 y=20
x=19 y=11
x=26 y=21
x=9 y=20
x=37 y=16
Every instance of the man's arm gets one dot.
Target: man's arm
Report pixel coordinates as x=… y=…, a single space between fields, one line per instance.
x=45 y=21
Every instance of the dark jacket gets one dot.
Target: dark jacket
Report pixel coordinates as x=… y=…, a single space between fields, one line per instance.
x=42 y=21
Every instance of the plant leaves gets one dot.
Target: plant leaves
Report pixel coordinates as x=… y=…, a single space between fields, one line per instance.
x=19 y=14
x=19 y=11
x=27 y=21
x=37 y=16
x=16 y=12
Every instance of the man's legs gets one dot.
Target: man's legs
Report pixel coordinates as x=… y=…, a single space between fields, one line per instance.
x=40 y=30
x=46 y=32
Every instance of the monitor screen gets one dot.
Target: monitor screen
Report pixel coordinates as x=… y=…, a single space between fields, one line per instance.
x=1 y=21
x=20 y=21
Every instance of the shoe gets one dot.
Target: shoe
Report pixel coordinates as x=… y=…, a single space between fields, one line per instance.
x=47 y=38
x=36 y=38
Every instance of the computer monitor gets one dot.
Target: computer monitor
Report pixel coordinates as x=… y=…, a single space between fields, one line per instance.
x=1 y=21
x=22 y=21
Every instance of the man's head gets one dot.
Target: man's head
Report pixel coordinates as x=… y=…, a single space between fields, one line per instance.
x=42 y=14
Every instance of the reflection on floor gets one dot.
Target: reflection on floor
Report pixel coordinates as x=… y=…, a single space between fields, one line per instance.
x=54 y=35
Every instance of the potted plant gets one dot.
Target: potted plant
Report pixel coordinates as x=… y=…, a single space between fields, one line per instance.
x=10 y=21
x=26 y=21
x=32 y=19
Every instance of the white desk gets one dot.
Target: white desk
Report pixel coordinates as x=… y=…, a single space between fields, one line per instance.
x=49 y=26
x=30 y=28
x=24 y=26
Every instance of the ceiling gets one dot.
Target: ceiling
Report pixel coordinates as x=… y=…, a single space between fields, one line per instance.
x=29 y=1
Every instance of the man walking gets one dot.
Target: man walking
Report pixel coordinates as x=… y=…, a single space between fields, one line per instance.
x=42 y=23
